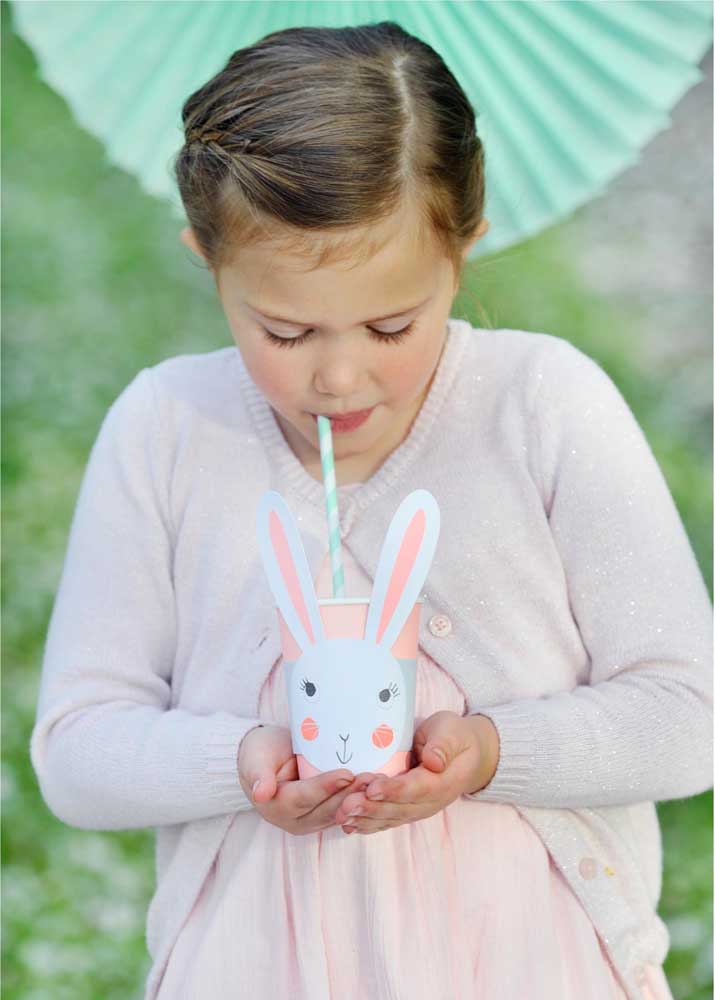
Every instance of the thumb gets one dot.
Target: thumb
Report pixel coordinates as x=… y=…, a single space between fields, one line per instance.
x=435 y=739
x=263 y=786
x=258 y=758
x=434 y=758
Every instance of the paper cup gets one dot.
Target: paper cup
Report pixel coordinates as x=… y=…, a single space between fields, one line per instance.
x=359 y=712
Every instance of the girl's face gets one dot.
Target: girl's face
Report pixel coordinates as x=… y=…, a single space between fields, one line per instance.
x=335 y=355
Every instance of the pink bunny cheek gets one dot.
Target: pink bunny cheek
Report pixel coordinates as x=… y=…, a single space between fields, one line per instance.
x=383 y=736
x=309 y=729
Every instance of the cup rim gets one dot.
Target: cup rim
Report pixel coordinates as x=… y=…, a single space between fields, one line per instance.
x=354 y=600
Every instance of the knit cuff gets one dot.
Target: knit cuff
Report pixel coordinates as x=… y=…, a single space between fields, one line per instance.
x=222 y=761
x=515 y=770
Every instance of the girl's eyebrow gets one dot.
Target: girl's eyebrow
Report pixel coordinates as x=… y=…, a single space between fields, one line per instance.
x=295 y=322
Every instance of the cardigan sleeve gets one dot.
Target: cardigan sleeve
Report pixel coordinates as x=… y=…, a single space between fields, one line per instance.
x=108 y=750
x=641 y=728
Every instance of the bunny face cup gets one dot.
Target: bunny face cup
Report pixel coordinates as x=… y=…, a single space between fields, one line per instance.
x=351 y=696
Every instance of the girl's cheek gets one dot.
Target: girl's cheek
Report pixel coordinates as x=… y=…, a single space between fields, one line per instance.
x=275 y=377
x=272 y=373
x=409 y=371
x=395 y=384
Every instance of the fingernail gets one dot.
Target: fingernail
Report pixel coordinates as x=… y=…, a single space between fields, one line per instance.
x=440 y=753
x=349 y=829
x=256 y=783
x=356 y=811
x=343 y=782
x=376 y=795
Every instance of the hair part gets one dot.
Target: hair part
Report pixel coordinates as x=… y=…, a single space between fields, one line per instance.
x=314 y=136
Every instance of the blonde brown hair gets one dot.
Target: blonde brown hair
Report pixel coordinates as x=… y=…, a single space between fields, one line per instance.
x=311 y=134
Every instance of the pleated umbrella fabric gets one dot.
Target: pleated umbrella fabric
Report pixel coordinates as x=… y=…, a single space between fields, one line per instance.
x=566 y=94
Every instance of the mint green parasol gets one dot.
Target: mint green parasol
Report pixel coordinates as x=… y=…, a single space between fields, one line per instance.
x=566 y=93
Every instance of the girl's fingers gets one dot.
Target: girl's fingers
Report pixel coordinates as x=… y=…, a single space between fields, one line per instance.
x=375 y=816
x=376 y=812
x=391 y=795
x=362 y=780
x=376 y=823
x=417 y=784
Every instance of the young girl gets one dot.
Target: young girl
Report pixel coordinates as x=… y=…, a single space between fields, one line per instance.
x=333 y=183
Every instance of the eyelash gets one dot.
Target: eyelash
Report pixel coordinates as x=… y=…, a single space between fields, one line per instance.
x=393 y=338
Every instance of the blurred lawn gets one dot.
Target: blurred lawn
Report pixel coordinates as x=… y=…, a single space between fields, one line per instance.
x=97 y=286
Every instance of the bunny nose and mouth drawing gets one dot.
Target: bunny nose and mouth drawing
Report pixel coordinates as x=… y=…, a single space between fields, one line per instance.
x=345 y=750
x=382 y=737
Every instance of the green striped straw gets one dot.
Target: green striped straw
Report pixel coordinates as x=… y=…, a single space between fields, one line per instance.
x=331 y=501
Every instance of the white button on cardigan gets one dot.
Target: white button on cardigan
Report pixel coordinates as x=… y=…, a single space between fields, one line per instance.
x=440 y=626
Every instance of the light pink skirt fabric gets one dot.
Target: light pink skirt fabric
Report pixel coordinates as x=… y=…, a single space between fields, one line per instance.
x=465 y=905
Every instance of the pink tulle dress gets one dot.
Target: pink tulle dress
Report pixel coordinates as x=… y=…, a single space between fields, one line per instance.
x=465 y=904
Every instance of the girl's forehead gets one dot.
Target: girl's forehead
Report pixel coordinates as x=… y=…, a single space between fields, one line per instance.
x=269 y=272
x=388 y=285
x=404 y=234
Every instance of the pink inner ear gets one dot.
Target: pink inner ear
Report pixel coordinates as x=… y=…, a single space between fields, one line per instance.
x=403 y=566
x=288 y=571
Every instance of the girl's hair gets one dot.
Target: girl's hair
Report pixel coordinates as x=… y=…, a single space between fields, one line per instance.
x=312 y=133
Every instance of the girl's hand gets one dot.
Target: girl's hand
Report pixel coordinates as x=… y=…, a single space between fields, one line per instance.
x=470 y=746
x=268 y=773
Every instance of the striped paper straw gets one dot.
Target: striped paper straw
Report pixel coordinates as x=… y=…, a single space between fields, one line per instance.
x=331 y=501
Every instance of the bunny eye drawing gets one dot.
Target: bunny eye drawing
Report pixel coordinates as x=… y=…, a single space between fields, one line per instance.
x=311 y=691
x=386 y=697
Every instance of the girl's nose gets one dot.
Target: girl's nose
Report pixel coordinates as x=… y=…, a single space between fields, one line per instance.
x=341 y=377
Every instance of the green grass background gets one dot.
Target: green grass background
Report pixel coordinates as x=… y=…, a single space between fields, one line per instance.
x=96 y=286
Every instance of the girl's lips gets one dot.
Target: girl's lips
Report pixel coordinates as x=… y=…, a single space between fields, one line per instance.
x=349 y=422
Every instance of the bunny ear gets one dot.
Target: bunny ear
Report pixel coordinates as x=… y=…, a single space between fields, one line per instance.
x=404 y=562
x=287 y=570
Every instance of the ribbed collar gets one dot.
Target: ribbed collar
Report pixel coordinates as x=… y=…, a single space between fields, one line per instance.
x=362 y=495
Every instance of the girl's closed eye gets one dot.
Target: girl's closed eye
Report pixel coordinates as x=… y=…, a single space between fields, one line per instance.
x=381 y=335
